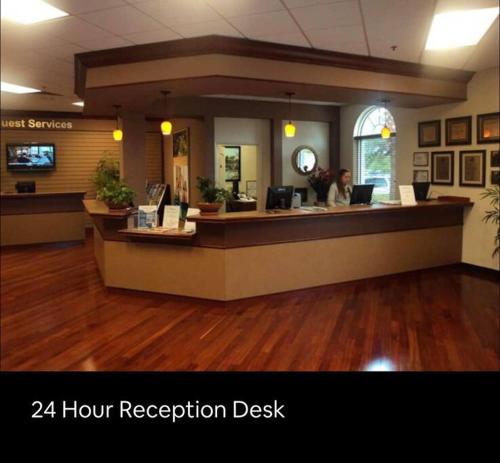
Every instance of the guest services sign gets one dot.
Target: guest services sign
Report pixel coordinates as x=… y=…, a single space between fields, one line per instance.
x=32 y=123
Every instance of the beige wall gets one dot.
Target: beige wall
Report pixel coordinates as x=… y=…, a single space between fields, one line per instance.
x=314 y=134
x=241 y=131
x=196 y=155
x=483 y=97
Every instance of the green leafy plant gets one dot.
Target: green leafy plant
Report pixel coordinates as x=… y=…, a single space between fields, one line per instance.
x=117 y=194
x=209 y=192
x=493 y=215
x=106 y=172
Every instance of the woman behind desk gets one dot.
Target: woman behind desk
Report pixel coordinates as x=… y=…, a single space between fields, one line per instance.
x=340 y=190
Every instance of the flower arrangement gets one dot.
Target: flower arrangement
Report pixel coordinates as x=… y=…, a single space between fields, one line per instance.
x=320 y=180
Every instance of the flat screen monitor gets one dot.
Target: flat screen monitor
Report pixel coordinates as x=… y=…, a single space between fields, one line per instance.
x=31 y=156
x=421 y=190
x=362 y=194
x=279 y=197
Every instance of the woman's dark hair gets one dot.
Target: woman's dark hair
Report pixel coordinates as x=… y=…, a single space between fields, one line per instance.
x=340 y=185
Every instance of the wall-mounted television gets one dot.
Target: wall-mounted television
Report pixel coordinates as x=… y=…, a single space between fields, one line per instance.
x=31 y=156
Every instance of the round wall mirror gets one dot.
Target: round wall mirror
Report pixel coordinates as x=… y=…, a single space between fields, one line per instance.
x=304 y=160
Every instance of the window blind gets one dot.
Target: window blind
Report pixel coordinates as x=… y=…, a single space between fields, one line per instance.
x=375 y=164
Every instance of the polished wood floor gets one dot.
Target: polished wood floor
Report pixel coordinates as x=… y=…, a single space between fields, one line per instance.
x=57 y=315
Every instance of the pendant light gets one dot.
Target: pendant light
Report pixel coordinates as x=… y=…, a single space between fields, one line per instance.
x=290 y=128
x=386 y=131
x=166 y=125
x=117 y=133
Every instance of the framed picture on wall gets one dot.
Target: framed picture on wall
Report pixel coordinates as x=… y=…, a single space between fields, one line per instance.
x=495 y=177
x=252 y=188
x=459 y=130
x=488 y=128
x=232 y=155
x=495 y=159
x=429 y=133
x=180 y=148
x=472 y=168
x=420 y=175
x=442 y=167
x=421 y=159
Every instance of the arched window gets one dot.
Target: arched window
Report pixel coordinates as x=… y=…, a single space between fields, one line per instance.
x=374 y=156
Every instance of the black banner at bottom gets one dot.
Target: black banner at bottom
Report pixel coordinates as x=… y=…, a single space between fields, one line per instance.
x=177 y=400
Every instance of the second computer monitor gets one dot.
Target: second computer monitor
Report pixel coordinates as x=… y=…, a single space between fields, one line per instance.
x=362 y=194
x=279 y=197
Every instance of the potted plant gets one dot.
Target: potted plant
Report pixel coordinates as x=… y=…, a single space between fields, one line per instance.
x=117 y=195
x=320 y=181
x=493 y=215
x=107 y=171
x=213 y=197
x=109 y=188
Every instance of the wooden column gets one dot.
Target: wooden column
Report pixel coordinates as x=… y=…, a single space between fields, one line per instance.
x=209 y=159
x=276 y=152
x=133 y=153
x=335 y=139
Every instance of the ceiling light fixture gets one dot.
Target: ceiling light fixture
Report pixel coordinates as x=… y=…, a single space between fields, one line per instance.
x=166 y=125
x=29 y=11
x=459 y=28
x=290 y=128
x=19 y=89
x=386 y=131
x=79 y=103
x=117 y=133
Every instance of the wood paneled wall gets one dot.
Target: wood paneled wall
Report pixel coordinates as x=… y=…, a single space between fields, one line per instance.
x=77 y=154
x=154 y=157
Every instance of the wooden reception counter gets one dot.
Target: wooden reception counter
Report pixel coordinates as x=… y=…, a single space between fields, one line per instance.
x=47 y=217
x=245 y=254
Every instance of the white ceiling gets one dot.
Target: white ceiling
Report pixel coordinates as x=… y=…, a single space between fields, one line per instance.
x=41 y=55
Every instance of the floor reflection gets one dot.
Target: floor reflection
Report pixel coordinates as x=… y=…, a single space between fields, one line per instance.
x=381 y=364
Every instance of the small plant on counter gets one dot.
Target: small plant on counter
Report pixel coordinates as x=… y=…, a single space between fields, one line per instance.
x=212 y=195
x=493 y=215
x=106 y=172
x=117 y=195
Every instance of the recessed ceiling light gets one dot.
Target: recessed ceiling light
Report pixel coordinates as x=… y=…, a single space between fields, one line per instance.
x=29 y=11
x=460 y=28
x=13 y=88
x=79 y=103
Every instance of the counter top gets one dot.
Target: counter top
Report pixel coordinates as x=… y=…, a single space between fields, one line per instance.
x=257 y=216
x=97 y=208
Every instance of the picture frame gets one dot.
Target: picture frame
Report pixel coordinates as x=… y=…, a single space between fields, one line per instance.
x=442 y=167
x=488 y=128
x=232 y=157
x=420 y=175
x=180 y=167
x=458 y=130
x=472 y=168
x=429 y=133
x=495 y=158
x=180 y=143
x=421 y=159
x=251 y=188
x=495 y=177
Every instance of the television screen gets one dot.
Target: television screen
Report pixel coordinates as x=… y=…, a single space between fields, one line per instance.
x=31 y=157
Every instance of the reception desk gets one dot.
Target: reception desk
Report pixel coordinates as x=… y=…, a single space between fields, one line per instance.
x=246 y=254
x=28 y=218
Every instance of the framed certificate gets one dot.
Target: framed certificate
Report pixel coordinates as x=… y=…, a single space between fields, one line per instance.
x=421 y=159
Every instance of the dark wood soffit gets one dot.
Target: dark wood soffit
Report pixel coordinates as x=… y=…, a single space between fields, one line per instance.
x=256 y=49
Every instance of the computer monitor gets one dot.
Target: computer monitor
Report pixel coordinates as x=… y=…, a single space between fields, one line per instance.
x=421 y=190
x=362 y=194
x=279 y=197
